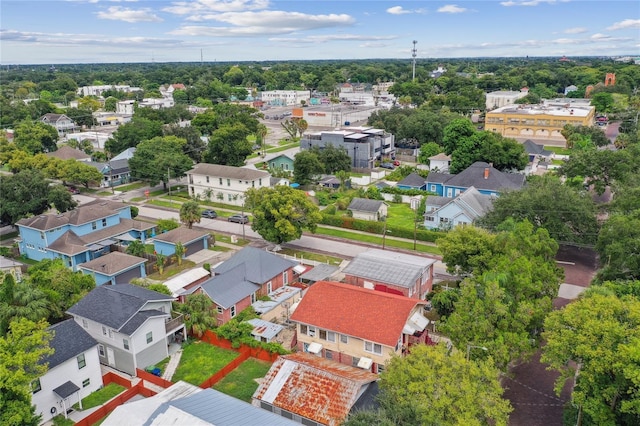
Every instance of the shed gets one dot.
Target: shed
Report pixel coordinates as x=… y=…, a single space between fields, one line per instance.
x=264 y=331
x=363 y=208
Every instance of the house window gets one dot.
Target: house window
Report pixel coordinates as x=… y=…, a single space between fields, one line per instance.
x=373 y=348
x=354 y=361
x=85 y=324
x=81 y=361
x=207 y=179
x=42 y=235
x=228 y=182
x=219 y=309
x=253 y=183
x=322 y=334
x=303 y=329
x=125 y=343
x=110 y=334
x=233 y=311
x=331 y=336
x=269 y=287
x=36 y=386
x=101 y=350
x=104 y=330
x=253 y=298
x=380 y=368
x=328 y=354
x=312 y=331
x=150 y=337
x=229 y=197
x=344 y=338
x=430 y=218
x=104 y=222
x=260 y=181
x=86 y=383
x=444 y=220
x=94 y=225
x=285 y=277
x=220 y=181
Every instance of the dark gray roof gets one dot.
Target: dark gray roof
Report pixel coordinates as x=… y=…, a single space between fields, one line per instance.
x=531 y=147
x=365 y=205
x=230 y=287
x=413 y=179
x=138 y=319
x=381 y=184
x=66 y=389
x=388 y=267
x=69 y=340
x=115 y=305
x=436 y=200
x=218 y=409
x=474 y=175
x=435 y=177
x=260 y=265
x=368 y=400
x=119 y=166
x=474 y=203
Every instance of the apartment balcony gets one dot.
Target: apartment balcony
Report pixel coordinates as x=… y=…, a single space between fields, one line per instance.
x=175 y=323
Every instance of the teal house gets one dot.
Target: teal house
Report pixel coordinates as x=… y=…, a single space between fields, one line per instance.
x=280 y=162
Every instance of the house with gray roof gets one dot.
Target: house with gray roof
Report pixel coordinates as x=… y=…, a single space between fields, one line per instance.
x=239 y=281
x=61 y=122
x=483 y=176
x=193 y=240
x=65 y=152
x=391 y=272
x=115 y=268
x=366 y=209
x=538 y=156
x=133 y=326
x=464 y=209
x=74 y=370
x=82 y=234
x=186 y=404
x=412 y=181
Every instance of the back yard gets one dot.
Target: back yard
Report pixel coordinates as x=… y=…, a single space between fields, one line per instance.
x=200 y=361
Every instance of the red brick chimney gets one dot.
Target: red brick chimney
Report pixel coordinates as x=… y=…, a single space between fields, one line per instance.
x=486 y=173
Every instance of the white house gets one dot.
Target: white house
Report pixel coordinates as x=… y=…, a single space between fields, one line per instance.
x=74 y=371
x=225 y=184
x=285 y=97
x=466 y=208
x=440 y=163
x=502 y=98
x=132 y=325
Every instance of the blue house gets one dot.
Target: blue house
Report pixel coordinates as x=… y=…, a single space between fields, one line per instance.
x=413 y=181
x=115 y=268
x=80 y=235
x=193 y=240
x=483 y=176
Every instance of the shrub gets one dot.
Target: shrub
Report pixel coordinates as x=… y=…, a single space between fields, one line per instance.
x=134 y=212
x=330 y=209
x=397 y=198
x=207 y=266
x=378 y=227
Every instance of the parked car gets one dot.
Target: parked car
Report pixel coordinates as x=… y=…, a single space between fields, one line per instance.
x=73 y=189
x=387 y=166
x=396 y=163
x=211 y=214
x=239 y=218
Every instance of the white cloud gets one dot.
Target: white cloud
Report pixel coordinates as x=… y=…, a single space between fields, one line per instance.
x=510 y=3
x=264 y=23
x=397 y=10
x=452 y=8
x=575 y=30
x=331 y=37
x=118 y=13
x=599 y=36
x=623 y=25
x=207 y=6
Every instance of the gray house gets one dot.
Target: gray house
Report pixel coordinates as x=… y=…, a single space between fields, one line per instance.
x=132 y=325
x=363 y=208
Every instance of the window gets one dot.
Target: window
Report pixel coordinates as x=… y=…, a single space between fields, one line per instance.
x=253 y=183
x=328 y=354
x=233 y=311
x=150 y=337
x=229 y=197
x=444 y=220
x=322 y=334
x=344 y=338
x=81 y=361
x=219 y=309
x=303 y=329
x=269 y=287
x=253 y=298
x=85 y=324
x=207 y=179
x=42 y=235
x=228 y=182
x=36 y=386
x=86 y=383
x=260 y=181
x=94 y=225
x=104 y=222
x=104 y=330
x=285 y=277
x=101 y=350
x=380 y=368
x=354 y=361
x=373 y=348
x=430 y=218
x=331 y=336
x=110 y=334
x=220 y=181
x=125 y=343
x=312 y=331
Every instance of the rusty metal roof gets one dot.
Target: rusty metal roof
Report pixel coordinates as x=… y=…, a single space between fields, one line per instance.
x=316 y=388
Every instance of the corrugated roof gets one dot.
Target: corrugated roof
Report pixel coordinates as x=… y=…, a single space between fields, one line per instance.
x=367 y=314
x=228 y=171
x=316 y=388
x=388 y=267
x=266 y=329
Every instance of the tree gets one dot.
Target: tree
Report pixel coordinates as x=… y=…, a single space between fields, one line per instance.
x=36 y=137
x=600 y=168
x=603 y=101
x=190 y=213
x=160 y=158
x=594 y=341
x=131 y=134
x=281 y=213
x=79 y=173
x=20 y=300
x=306 y=167
x=333 y=158
x=194 y=146
x=618 y=247
x=228 y=145
x=343 y=177
x=435 y=387
x=467 y=250
x=198 y=314
x=456 y=132
x=22 y=352
x=592 y=136
x=180 y=251
x=165 y=225
x=83 y=117
x=428 y=150
x=574 y=222
x=136 y=248
x=61 y=199
x=24 y=193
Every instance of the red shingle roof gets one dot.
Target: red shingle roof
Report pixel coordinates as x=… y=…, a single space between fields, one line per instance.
x=367 y=314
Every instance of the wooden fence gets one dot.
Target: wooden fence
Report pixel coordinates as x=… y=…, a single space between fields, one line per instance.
x=158 y=381
x=219 y=375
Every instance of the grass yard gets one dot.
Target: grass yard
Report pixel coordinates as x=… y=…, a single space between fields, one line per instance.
x=227 y=239
x=377 y=239
x=220 y=249
x=9 y=236
x=163 y=364
x=130 y=187
x=162 y=203
x=171 y=270
x=400 y=215
x=200 y=361
x=558 y=150
x=240 y=382
x=100 y=396
x=312 y=256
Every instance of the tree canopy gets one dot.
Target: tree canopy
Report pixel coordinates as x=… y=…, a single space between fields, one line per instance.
x=306 y=167
x=228 y=145
x=190 y=213
x=159 y=159
x=281 y=213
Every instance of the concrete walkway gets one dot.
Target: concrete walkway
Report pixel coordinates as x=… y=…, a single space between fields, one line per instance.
x=172 y=365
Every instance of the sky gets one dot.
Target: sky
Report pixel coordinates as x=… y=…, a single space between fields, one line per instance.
x=124 y=31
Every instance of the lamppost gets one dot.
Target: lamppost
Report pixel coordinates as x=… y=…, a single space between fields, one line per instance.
x=469 y=346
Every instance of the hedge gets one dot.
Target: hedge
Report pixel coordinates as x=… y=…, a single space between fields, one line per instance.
x=401 y=191
x=378 y=228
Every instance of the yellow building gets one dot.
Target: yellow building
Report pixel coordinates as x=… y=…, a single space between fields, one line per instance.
x=542 y=122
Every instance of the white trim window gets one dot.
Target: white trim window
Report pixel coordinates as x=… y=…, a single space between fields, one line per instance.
x=233 y=311
x=373 y=348
x=101 y=350
x=150 y=337
x=285 y=277
x=344 y=338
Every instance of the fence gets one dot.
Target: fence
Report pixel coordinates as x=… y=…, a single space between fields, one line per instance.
x=107 y=408
x=245 y=353
x=152 y=378
x=300 y=258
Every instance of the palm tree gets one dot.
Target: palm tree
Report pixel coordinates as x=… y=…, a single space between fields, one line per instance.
x=198 y=314
x=180 y=251
x=190 y=213
x=20 y=301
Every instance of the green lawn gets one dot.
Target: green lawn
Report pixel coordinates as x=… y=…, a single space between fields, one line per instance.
x=200 y=361
x=162 y=203
x=377 y=239
x=400 y=215
x=163 y=364
x=558 y=150
x=59 y=420
x=9 y=236
x=131 y=186
x=227 y=239
x=100 y=396
x=312 y=256
x=240 y=382
x=172 y=270
x=220 y=248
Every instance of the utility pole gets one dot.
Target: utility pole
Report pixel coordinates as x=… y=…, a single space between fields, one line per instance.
x=414 y=53
x=169 y=183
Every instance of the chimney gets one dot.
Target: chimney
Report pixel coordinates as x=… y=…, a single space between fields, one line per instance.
x=486 y=172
